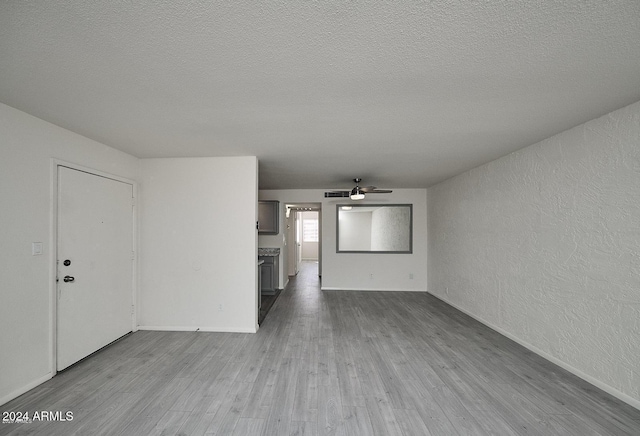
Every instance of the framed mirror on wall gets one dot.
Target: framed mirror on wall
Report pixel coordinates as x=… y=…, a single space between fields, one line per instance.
x=374 y=228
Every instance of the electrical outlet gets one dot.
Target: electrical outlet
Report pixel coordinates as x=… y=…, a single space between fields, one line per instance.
x=410 y=276
x=219 y=307
x=371 y=276
x=36 y=248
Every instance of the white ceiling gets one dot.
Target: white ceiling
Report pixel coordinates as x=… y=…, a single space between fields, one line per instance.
x=403 y=94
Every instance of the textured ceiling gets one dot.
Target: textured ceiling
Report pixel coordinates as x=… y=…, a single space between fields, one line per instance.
x=402 y=94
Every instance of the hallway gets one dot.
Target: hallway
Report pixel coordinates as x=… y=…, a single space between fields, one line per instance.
x=332 y=362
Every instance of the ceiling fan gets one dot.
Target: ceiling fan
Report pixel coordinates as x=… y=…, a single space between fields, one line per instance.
x=358 y=192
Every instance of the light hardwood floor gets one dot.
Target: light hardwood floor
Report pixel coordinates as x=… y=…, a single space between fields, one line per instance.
x=344 y=363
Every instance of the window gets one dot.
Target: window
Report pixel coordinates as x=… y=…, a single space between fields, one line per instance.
x=310 y=230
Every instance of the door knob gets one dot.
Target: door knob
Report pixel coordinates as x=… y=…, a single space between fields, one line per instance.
x=68 y=279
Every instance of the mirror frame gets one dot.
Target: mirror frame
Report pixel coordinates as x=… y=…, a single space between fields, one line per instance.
x=409 y=251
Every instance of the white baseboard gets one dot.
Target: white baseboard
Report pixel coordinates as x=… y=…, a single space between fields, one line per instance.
x=605 y=387
x=26 y=388
x=193 y=329
x=329 y=288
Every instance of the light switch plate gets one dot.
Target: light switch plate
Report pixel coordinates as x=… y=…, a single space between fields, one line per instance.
x=36 y=248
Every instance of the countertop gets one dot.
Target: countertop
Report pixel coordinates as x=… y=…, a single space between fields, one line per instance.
x=268 y=252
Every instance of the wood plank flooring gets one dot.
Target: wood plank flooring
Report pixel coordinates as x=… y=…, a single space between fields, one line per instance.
x=326 y=363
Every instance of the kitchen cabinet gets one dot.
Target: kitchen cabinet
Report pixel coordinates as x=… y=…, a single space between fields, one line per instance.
x=269 y=274
x=268 y=217
x=260 y=262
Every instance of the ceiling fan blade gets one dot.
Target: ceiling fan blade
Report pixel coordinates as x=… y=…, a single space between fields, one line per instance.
x=374 y=190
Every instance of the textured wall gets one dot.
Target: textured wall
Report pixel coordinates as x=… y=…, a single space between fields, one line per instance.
x=544 y=244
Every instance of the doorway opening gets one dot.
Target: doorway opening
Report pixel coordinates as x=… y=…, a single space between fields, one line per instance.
x=303 y=237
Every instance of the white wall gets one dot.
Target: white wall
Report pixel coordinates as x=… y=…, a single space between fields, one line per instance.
x=544 y=245
x=198 y=244
x=27 y=147
x=352 y=270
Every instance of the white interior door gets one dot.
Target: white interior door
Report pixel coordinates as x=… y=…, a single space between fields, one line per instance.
x=291 y=245
x=95 y=263
x=298 y=240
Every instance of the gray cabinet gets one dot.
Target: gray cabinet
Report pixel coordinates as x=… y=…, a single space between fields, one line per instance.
x=268 y=217
x=269 y=274
x=260 y=262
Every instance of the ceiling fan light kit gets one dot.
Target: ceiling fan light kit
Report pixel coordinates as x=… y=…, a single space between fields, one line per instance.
x=357 y=193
